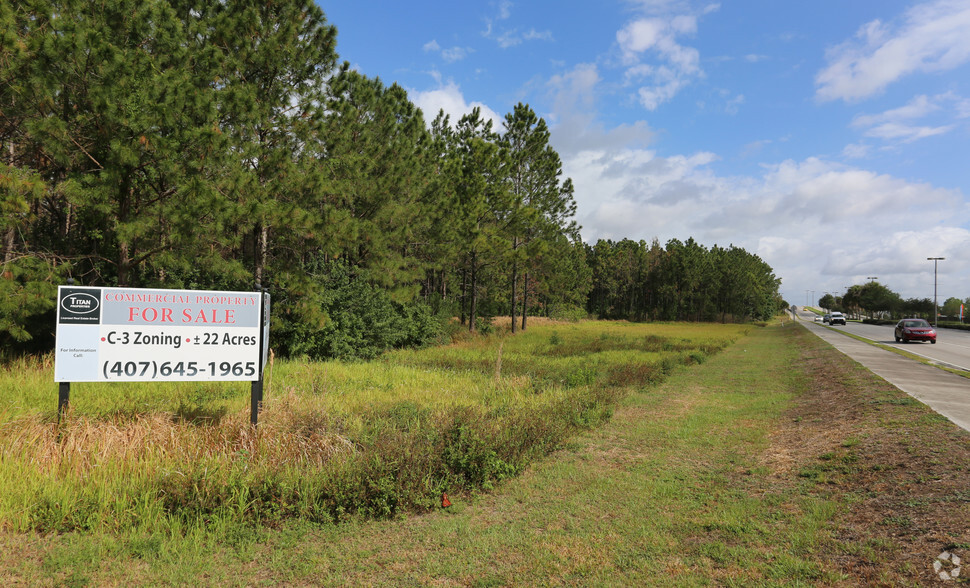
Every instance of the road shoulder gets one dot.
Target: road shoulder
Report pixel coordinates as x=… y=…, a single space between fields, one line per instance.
x=946 y=393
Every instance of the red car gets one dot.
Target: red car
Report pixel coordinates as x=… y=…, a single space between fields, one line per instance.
x=914 y=330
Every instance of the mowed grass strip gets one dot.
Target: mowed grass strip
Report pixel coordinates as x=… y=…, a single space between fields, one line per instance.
x=778 y=462
x=666 y=493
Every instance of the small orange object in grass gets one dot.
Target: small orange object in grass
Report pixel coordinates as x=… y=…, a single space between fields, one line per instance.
x=445 y=503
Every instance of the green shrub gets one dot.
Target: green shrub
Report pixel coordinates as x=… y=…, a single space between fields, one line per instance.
x=28 y=292
x=361 y=321
x=471 y=455
x=484 y=326
x=567 y=312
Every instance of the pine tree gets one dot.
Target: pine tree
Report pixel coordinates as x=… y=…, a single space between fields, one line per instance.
x=272 y=63
x=540 y=208
x=472 y=168
x=377 y=152
x=113 y=111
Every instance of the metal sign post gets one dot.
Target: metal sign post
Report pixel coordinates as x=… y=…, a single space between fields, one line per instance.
x=256 y=389
x=63 y=398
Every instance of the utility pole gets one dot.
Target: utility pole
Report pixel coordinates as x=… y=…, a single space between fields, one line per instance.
x=935 y=261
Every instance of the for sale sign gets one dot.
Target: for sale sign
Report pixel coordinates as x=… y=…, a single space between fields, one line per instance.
x=135 y=334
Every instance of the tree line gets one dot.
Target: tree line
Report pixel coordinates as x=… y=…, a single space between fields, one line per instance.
x=680 y=281
x=875 y=299
x=219 y=145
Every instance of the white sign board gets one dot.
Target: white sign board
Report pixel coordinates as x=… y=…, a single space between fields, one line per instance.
x=139 y=335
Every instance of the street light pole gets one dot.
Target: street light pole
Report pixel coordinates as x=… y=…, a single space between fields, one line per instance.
x=935 y=260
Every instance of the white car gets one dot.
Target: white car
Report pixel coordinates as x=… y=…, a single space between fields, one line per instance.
x=837 y=318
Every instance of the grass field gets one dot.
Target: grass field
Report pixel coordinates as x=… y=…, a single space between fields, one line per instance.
x=336 y=439
x=750 y=467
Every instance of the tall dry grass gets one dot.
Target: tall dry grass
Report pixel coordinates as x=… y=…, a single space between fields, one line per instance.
x=334 y=439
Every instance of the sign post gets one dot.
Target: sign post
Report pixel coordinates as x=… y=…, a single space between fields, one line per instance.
x=256 y=389
x=149 y=335
x=63 y=398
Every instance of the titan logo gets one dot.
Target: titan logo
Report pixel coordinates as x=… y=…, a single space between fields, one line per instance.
x=79 y=303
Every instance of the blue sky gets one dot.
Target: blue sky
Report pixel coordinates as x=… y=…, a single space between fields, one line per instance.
x=831 y=138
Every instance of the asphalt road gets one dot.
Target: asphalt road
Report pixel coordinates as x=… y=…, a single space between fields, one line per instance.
x=952 y=347
x=946 y=393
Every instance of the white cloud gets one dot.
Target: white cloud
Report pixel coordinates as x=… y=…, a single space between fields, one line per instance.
x=454 y=54
x=668 y=6
x=855 y=151
x=820 y=225
x=905 y=133
x=918 y=107
x=575 y=88
x=513 y=36
x=898 y=124
x=574 y=123
x=505 y=10
x=449 y=55
x=903 y=252
x=449 y=97
x=508 y=39
x=733 y=105
x=931 y=37
x=845 y=196
x=963 y=109
x=638 y=72
x=650 y=51
x=534 y=35
x=651 y=97
x=753 y=148
x=639 y=36
x=659 y=35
